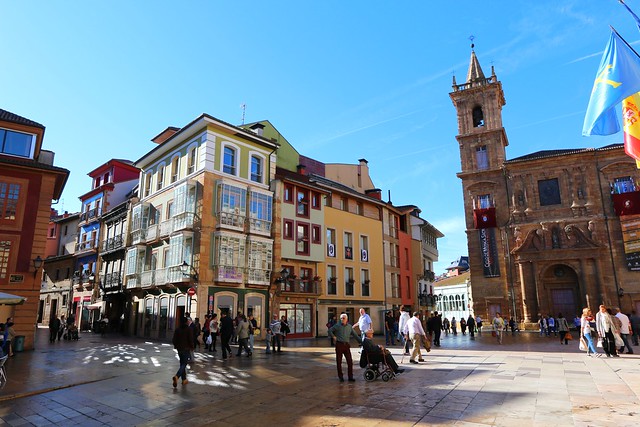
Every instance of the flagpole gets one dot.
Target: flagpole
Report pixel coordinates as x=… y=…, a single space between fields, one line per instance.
x=625 y=42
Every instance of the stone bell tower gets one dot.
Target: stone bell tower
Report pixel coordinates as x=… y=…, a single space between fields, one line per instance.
x=482 y=141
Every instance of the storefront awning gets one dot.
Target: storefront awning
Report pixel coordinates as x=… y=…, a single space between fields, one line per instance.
x=95 y=306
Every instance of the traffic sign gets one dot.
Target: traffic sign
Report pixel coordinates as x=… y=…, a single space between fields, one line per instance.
x=191 y=292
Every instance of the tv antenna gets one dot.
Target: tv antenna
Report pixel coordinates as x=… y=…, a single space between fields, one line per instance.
x=243 y=107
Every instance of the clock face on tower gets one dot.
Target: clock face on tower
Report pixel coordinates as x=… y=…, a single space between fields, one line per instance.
x=549 y=191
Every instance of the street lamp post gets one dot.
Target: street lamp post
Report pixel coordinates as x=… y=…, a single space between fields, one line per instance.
x=190 y=272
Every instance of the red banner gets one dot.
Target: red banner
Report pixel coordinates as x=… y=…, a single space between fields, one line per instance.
x=484 y=218
x=626 y=203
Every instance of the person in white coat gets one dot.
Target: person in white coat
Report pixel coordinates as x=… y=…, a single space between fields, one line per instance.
x=404 y=317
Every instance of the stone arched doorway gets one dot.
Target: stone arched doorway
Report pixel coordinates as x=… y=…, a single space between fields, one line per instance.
x=561 y=284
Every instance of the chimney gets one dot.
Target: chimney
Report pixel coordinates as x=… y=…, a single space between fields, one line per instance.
x=363 y=162
x=258 y=128
x=376 y=193
x=302 y=169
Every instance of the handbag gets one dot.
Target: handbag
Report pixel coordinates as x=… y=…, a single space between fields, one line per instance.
x=568 y=336
x=209 y=340
x=583 y=344
x=618 y=339
x=256 y=331
x=494 y=334
x=599 y=343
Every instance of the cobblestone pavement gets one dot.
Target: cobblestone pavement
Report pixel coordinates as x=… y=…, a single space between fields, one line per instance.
x=116 y=381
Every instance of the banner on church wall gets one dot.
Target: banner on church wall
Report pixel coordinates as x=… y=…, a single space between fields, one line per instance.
x=630 y=225
x=489 y=250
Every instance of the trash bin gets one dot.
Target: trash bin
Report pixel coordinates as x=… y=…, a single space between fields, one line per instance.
x=18 y=343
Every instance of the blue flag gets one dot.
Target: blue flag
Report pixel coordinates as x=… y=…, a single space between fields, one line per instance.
x=618 y=77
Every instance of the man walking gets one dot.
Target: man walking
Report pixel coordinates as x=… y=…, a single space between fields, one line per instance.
x=404 y=318
x=413 y=330
x=183 y=343
x=342 y=332
x=434 y=326
x=625 y=329
x=226 y=330
x=54 y=326
x=364 y=323
x=276 y=330
x=498 y=327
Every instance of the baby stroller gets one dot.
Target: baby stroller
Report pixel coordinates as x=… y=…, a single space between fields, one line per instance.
x=375 y=366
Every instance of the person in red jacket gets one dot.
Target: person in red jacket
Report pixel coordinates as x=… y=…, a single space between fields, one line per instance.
x=183 y=343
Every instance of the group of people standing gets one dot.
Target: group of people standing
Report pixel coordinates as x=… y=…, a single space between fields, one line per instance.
x=61 y=328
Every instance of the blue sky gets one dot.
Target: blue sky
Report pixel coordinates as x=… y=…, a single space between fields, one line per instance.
x=341 y=80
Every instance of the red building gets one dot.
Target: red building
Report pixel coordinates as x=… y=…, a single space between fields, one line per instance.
x=28 y=183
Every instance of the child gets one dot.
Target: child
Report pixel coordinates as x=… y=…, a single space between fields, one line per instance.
x=268 y=340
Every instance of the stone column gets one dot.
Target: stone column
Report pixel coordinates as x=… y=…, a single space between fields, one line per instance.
x=527 y=285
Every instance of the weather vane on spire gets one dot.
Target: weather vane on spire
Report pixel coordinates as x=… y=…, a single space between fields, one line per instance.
x=472 y=37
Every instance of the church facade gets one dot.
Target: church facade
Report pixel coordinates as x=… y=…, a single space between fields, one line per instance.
x=549 y=232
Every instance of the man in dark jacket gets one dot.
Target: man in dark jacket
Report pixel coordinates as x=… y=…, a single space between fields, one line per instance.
x=374 y=352
x=434 y=326
x=54 y=326
x=183 y=343
x=226 y=330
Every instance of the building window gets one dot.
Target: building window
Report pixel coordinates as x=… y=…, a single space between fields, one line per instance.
x=288 y=230
x=107 y=178
x=256 y=169
x=191 y=165
x=484 y=201
x=478 y=117
x=364 y=248
x=395 y=289
x=288 y=193
x=623 y=185
x=175 y=169
x=316 y=234
x=229 y=257
x=302 y=203
x=406 y=258
x=393 y=225
x=331 y=242
x=348 y=245
x=306 y=273
x=482 y=158
x=232 y=205
x=229 y=165
x=332 y=280
x=147 y=184
x=160 y=178
x=9 y=196
x=260 y=211
x=17 y=143
x=359 y=208
x=549 y=190
x=344 y=204
x=5 y=254
x=260 y=261
x=349 y=281
x=302 y=239
x=365 y=283
x=315 y=200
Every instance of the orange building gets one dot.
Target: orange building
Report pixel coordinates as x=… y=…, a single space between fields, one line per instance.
x=28 y=183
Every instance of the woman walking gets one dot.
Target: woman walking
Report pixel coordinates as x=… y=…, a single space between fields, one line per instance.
x=454 y=326
x=585 y=331
x=214 y=331
x=563 y=328
x=183 y=343
x=498 y=327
